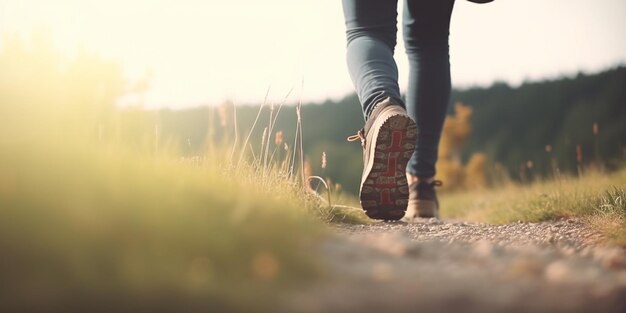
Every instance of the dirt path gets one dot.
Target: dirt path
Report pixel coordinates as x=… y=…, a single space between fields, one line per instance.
x=435 y=266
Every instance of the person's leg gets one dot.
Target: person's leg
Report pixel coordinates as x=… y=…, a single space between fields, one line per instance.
x=426 y=27
x=371 y=34
x=388 y=137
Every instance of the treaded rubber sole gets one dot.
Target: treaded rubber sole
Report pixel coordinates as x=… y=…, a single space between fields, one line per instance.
x=384 y=191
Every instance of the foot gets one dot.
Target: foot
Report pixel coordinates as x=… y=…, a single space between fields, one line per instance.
x=423 y=200
x=388 y=141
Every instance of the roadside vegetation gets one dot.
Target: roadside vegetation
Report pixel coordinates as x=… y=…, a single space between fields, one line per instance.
x=597 y=198
x=104 y=209
x=98 y=215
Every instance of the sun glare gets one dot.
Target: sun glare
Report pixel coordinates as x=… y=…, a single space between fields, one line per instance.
x=207 y=52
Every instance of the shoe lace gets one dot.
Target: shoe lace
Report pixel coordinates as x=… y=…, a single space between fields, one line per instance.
x=360 y=135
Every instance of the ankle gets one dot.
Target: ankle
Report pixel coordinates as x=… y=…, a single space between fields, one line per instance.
x=416 y=179
x=428 y=180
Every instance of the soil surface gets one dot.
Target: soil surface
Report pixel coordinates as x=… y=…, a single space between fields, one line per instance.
x=450 y=266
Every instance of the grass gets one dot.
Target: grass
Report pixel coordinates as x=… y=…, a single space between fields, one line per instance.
x=87 y=226
x=337 y=207
x=100 y=227
x=599 y=199
x=98 y=214
x=91 y=224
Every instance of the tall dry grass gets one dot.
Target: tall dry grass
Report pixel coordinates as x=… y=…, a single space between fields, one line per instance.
x=98 y=214
x=597 y=198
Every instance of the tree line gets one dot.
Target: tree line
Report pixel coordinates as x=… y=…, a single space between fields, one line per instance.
x=535 y=130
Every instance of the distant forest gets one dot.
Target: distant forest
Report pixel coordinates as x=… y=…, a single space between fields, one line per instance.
x=543 y=126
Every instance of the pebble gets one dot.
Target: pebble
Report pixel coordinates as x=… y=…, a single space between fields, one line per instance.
x=483 y=248
x=611 y=258
x=558 y=272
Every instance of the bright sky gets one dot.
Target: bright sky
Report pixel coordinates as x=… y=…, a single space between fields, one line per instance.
x=209 y=51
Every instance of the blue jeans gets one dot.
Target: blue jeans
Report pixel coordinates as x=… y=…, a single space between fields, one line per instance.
x=371 y=33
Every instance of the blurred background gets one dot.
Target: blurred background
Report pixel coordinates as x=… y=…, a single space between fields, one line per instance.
x=206 y=52
x=538 y=85
x=153 y=153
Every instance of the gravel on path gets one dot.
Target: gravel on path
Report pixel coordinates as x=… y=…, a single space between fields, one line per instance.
x=444 y=266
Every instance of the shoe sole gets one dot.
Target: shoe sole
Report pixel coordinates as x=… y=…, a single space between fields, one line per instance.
x=384 y=193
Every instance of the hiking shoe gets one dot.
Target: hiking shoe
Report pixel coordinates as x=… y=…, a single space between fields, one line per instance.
x=423 y=200
x=388 y=141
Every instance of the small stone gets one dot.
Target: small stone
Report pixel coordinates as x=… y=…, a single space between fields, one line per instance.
x=621 y=278
x=602 y=290
x=569 y=251
x=611 y=258
x=483 y=248
x=390 y=243
x=382 y=272
x=523 y=267
x=559 y=272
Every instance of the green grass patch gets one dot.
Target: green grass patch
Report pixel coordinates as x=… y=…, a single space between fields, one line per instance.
x=337 y=207
x=99 y=228
x=597 y=198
